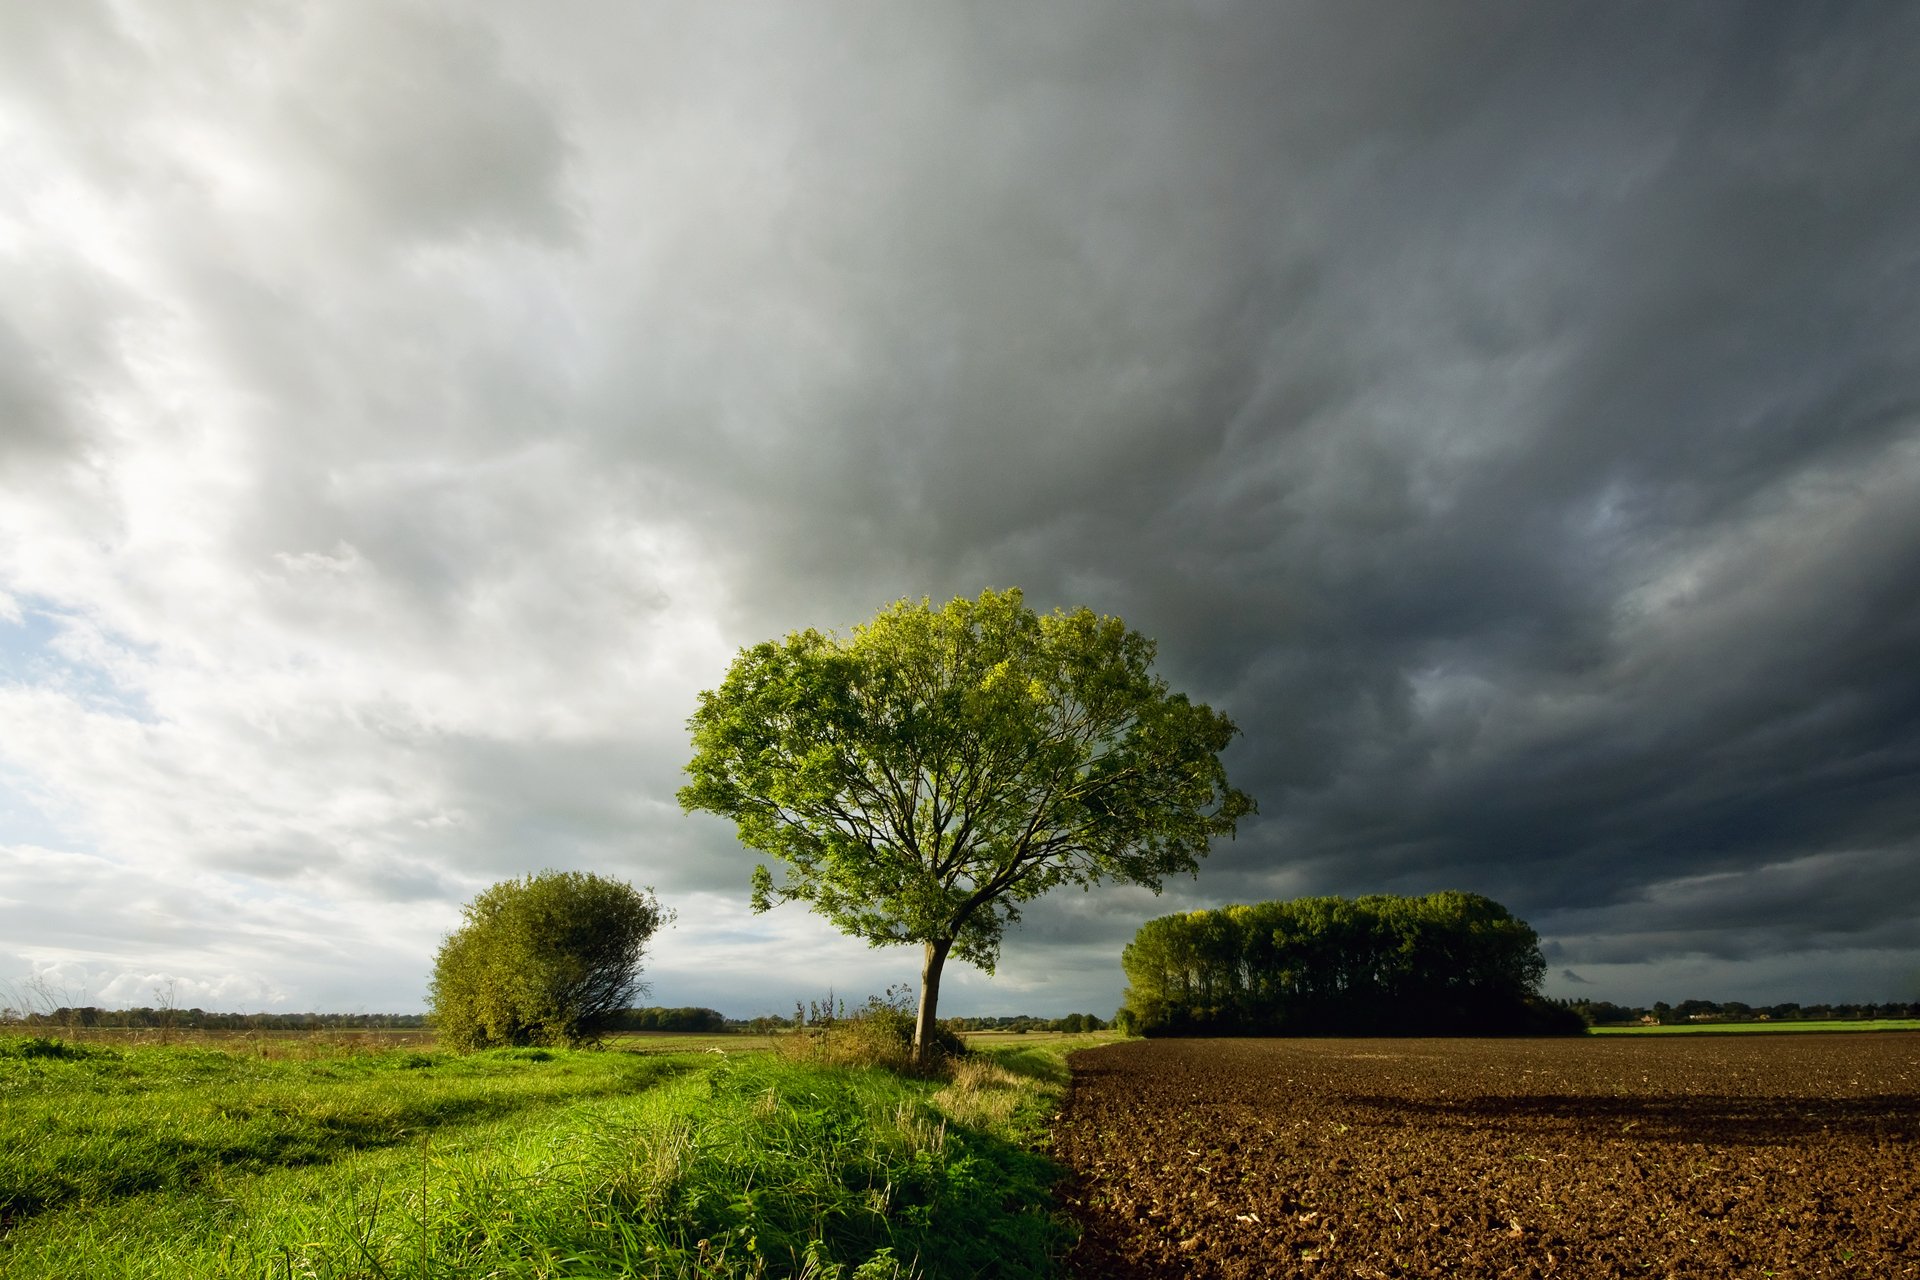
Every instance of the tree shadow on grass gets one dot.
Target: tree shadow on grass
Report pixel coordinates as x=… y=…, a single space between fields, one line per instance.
x=1034 y=1064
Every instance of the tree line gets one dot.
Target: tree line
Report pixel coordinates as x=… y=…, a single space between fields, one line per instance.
x=146 y=1018
x=1605 y=1013
x=656 y=1018
x=1446 y=963
x=1072 y=1022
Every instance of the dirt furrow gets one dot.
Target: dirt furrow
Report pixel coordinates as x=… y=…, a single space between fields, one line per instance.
x=1735 y=1156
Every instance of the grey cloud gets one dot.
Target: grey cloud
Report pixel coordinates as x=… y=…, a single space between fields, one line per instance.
x=59 y=357
x=398 y=118
x=30 y=405
x=409 y=881
x=1849 y=897
x=411 y=115
x=283 y=860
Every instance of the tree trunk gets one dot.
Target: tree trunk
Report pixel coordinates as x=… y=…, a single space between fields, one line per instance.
x=929 y=998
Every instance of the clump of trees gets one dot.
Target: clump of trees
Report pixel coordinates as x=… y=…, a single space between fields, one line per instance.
x=547 y=960
x=922 y=778
x=1447 y=963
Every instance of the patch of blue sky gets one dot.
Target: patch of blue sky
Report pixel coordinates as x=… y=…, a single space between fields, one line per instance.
x=25 y=821
x=32 y=655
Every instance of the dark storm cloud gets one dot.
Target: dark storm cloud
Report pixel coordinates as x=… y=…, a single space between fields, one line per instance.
x=1508 y=415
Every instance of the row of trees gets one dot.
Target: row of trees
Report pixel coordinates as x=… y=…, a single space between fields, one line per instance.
x=1603 y=1013
x=1448 y=962
x=1599 y=1013
x=655 y=1018
x=1074 y=1022
x=149 y=1018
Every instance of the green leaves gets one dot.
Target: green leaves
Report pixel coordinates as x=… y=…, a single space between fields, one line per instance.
x=542 y=960
x=1447 y=962
x=919 y=779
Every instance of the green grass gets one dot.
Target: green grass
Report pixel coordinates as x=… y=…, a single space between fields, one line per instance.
x=1739 y=1028
x=175 y=1162
x=690 y=1041
x=85 y=1124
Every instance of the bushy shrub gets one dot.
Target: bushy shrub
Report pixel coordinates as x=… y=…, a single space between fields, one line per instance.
x=542 y=961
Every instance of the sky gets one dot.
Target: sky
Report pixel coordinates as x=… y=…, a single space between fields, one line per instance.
x=1507 y=413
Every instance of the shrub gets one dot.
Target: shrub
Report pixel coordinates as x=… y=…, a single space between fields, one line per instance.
x=542 y=961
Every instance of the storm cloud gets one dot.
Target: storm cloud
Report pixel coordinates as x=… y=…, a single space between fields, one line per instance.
x=1507 y=413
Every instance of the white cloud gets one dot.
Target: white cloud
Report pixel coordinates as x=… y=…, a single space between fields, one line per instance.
x=328 y=591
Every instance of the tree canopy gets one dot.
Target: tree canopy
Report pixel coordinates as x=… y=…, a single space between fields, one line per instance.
x=548 y=959
x=926 y=775
x=1447 y=962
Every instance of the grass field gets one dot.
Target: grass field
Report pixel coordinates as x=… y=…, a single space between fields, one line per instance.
x=670 y=1159
x=1767 y=1028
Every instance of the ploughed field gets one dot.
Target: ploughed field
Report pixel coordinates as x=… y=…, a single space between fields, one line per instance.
x=1694 y=1156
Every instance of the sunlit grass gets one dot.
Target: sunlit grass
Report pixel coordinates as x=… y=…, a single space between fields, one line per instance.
x=86 y=1124
x=184 y=1162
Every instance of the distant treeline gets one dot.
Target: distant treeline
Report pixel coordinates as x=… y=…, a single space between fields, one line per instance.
x=658 y=1019
x=1447 y=963
x=1605 y=1013
x=201 y=1020
x=1024 y=1022
x=706 y=1021
x=1599 y=1013
x=1004 y=1022
x=654 y=1019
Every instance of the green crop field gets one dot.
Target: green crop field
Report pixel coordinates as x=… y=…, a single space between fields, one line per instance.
x=702 y=1161
x=1740 y=1028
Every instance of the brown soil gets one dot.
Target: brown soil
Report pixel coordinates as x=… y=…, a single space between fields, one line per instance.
x=1683 y=1156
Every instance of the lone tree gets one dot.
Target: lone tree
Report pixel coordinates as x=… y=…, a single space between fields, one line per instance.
x=923 y=777
x=543 y=960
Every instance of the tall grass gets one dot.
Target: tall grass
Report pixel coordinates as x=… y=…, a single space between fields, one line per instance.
x=180 y=1162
